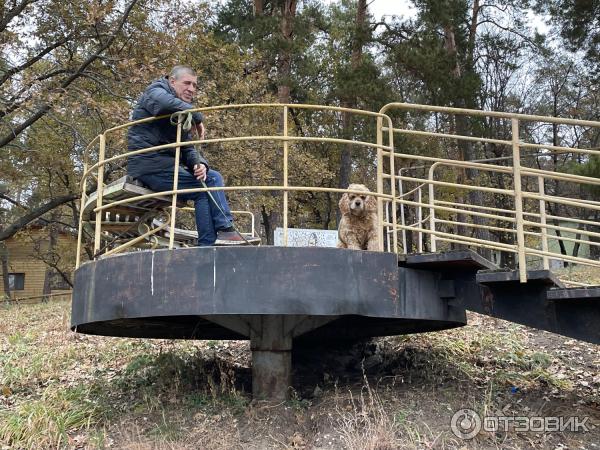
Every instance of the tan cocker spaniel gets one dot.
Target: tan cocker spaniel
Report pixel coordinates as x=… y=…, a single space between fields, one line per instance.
x=358 y=227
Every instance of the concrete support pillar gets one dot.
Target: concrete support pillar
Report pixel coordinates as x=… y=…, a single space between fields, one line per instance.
x=271 y=347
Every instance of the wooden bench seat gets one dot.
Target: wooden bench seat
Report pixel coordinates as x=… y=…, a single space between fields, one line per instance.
x=128 y=221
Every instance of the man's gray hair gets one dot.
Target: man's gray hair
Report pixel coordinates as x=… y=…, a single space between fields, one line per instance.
x=177 y=71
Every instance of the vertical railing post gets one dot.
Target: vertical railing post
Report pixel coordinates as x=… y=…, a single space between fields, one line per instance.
x=545 y=260
x=392 y=184
x=175 y=184
x=516 y=154
x=432 y=239
x=80 y=225
x=402 y=218
x=380 y=182
x=285 y=176
x=420 y=219
x=100 y=191
x=387 y=219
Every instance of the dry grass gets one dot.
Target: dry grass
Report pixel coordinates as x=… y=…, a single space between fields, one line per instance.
x=364 y=424
x=580 y=274
x=63 y=390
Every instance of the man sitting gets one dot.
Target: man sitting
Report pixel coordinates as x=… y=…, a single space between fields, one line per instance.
x=156 y=169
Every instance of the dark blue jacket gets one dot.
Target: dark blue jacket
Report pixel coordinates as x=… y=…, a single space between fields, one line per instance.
x=159 y=99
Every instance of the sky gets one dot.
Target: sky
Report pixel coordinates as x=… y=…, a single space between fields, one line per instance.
x=405 y=8
x=402 y=8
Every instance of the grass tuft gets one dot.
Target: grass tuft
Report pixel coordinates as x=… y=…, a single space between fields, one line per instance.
x=46 y=422
x=364 y=424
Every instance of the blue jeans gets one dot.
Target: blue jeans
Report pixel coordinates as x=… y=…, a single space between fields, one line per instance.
x=209 y=219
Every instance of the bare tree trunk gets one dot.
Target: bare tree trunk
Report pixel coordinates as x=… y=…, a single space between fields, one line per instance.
x=577 y=245
x=273 y=218
x=328 y=211
x=53 y=241
x=267 y=224
x=259 y=6
x=466 y=152
x=594 y=249
x=350 y=100
x=31 y=215
x=4 y=264
x=284 y=65
x=555 y=142
x=561 y=243
x=460 y=125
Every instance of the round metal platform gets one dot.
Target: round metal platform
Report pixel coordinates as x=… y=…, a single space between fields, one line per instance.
x=211 y=292
x=270 y=295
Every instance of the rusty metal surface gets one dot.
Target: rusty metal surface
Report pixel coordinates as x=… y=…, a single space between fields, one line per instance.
x=174 y=294
x=217 y=293
x=465 y=259
x=577 y=312
x=501 y=276
x=576 y=293
x=540 y=303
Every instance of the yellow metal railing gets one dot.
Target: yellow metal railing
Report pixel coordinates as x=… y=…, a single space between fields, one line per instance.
x=510 y=221
x=97 y=169
x=524 y=222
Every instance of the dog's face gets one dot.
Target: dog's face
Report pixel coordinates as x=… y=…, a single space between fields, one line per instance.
x=357 y=204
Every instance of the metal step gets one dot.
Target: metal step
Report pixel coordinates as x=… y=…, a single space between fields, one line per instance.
x=452 y=260
x=502 y=276
x=576 y=293
x=542 y=302
x=577 y=311
x=469 y=281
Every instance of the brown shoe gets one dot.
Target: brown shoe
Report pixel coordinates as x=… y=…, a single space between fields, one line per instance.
x=234 y=238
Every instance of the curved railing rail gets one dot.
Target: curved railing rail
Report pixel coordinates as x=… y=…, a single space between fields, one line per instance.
x=514 y=218
x=525 y=222
x=96 y=170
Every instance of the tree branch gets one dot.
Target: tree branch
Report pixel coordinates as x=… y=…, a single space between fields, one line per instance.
x=32 y=215
x=509 y=30
x=14 y=202
x=14 y=103
x=12 y=13
x=16 y=69
x=43 y=110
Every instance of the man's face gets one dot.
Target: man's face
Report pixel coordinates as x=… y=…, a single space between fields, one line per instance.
x=185 y=86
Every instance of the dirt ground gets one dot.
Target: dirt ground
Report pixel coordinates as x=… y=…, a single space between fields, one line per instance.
x=64 y=390
x=402 y=393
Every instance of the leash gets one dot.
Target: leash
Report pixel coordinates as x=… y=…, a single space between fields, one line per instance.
x=183 y=118
x=231 y=224
x=186 y=120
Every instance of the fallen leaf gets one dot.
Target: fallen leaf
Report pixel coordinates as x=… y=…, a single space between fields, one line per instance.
x=297 y=441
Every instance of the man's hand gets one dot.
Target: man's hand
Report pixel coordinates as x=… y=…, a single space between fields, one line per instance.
x=200 y=172
x=200 y=131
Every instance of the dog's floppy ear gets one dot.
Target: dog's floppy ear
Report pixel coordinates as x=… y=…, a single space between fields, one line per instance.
x=371 y=203
x=344 y=204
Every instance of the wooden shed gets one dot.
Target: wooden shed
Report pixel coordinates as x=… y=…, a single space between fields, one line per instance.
x=27 y=255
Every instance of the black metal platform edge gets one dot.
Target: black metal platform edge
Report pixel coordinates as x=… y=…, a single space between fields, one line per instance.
x=541 y=276
x=359 y=327
x=169 y=327
x=173 y=288
x=575 y=293
x=253 y=280
x=503 y=296
x=452 y=260
x=344 y=328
